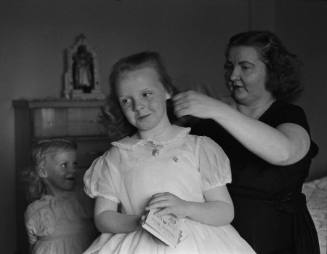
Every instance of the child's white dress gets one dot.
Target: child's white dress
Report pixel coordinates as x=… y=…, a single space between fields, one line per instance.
x=134 y=169
x=61 y=225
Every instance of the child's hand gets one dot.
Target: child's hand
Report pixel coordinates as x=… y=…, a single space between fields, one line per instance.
x=143 y=217
x=168 y=203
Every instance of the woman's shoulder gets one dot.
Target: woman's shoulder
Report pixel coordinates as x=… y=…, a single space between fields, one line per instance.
x=283 y=112
x=286 y=106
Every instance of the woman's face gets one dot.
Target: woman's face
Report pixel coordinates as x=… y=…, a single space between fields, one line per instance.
x=246 y=75
x=142 y=98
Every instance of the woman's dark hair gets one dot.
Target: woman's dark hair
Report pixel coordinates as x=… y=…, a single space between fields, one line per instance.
x=114 y=119
x=283 y=67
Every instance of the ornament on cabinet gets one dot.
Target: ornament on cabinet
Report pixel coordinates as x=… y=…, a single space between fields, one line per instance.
x=82 y=73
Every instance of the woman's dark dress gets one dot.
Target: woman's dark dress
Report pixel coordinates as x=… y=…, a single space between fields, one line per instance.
x=270 y=210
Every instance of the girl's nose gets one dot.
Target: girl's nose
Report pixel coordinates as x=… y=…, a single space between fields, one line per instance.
x=72 y=168
x=138 y=105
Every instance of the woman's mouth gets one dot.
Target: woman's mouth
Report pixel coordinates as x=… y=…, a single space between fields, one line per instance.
x=235 y=85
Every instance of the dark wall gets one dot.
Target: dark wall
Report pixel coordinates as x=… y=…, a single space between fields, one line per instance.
x=302 y=26
x=189 y=34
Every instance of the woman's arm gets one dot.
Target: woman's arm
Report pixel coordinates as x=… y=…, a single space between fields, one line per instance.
x=284 y=145
x=217 y=210
x=108 y=220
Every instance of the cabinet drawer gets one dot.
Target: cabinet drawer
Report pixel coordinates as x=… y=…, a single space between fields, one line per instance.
x=55 y=122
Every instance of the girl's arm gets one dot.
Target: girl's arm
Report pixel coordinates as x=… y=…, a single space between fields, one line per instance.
x=108 y=220
x=32 y=239
x=217 y=210
x=30 y=226
x=284 y=145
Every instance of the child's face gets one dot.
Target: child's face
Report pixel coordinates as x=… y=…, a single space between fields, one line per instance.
x=60 y=170
x=142 y=98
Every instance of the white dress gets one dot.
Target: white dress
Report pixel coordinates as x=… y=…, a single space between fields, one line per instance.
x=135 y=169
x=60 y=225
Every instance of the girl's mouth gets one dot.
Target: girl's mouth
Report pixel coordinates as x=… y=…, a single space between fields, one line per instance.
x=70 y=178
x=142 y=117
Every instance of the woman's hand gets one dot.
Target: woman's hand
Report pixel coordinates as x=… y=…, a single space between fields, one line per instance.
x=168 y=203
x=196 y=104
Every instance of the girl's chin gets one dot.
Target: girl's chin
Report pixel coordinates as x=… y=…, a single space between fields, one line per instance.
x=69 y=185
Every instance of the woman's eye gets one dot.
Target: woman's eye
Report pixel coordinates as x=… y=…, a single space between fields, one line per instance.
x=228 y=66
x=246 y=67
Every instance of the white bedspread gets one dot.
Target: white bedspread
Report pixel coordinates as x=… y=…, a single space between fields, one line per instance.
x=316 y=193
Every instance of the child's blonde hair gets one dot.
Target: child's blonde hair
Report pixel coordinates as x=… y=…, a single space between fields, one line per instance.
x=35 y=185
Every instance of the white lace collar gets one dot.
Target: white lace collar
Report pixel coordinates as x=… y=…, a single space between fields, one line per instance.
x=131 y=142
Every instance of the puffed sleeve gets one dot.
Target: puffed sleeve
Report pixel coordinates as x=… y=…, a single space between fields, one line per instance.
x=30 y=226
x=214 y=164
x=40 y=220
x=102 y=179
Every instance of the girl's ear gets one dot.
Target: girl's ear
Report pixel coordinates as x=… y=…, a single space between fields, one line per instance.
x=168 y=96
x=42 y=172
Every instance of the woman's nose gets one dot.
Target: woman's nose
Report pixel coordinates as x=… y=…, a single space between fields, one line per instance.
x=235 y=74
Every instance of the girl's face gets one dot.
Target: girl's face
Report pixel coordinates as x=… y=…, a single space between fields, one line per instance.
x=142 y=98
x=246 y=75
x=60 y=170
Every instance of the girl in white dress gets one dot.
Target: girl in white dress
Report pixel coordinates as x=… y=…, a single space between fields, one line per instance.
x=59 y=218
x=160 y=166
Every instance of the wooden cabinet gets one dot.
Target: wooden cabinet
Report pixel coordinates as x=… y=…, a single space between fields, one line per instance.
x=77 y=120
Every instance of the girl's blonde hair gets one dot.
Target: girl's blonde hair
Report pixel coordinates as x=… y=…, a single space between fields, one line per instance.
x=34 y=183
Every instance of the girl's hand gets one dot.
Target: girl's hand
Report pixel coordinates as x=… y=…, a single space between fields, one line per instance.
x=168 y=203
x=196 y=104
x=143 y=218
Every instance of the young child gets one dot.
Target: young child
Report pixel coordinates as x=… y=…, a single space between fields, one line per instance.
x=59 y=219
x=160 y=166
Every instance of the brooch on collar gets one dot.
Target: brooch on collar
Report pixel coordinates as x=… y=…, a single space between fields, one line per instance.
x=155 y=148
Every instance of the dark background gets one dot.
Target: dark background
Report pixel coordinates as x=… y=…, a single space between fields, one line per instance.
x=190 y=35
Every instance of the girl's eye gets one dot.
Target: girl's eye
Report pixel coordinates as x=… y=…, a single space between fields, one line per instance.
x=147 y=94
x=124 y=102
x=64 y=165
